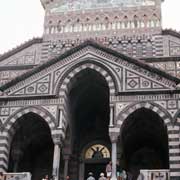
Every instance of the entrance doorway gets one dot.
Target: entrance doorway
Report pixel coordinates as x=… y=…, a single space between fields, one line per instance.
x=96 y=157
x=96 y=168
x=32 y=147
x=89 y=108
x=144 y=142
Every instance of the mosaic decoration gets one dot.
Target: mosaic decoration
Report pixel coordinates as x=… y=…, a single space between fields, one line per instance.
x=121 y=106
x=174 y=48
x=8 y=75
x=28 y=59
x=73 y=5
x=52 y=110
x=5 y=112
x=41 y=86
x=137 y=82
x=97 y=151
x=130 y=77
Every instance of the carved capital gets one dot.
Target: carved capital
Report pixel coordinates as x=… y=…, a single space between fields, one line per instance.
x=113 y=137
x=57 y=139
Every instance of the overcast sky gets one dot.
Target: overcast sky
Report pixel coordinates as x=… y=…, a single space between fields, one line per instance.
x=21 y=20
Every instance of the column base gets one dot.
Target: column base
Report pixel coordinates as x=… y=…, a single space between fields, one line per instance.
x=114 y=178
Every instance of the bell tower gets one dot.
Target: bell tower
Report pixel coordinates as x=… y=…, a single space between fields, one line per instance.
x=82 y=19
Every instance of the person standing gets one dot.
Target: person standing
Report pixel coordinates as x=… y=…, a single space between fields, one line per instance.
x=46 y=177
x=90 y=176
x=109 y=170
x=124 y=175
x=1 y=175
x=102 y=177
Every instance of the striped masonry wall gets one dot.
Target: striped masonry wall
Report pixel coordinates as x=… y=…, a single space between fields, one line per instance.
x=7 y=135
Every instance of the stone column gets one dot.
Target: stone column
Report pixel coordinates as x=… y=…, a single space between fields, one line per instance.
x=81 y=169
x=66 y=164
x=56 y=159
x=114 y=139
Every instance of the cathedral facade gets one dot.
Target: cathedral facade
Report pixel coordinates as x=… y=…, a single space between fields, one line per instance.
x=102 y=84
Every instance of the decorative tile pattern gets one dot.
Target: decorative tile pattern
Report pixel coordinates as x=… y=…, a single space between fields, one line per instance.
x=40 y=86
x=136 y=81
x=174 y=48
x=121 y=106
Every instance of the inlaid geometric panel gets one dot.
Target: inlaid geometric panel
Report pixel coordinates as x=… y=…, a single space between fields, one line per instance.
x=174 y=48
x=120 y=106
x=128 y=75
x=52 y=110
x=27 y=59
x=133 y=83
x=137 y=82
x=5 y=112
x=41 y=86
x=172 y=104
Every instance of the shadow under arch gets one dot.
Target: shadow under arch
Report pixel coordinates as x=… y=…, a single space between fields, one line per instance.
x=143 y=141
x=87 y=95
x=31 y=145
x=106 y=72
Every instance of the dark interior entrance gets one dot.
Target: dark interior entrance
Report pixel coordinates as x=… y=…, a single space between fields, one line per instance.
x=144 y=142
x=89 y=105
x=96 y=168
x=32 y=147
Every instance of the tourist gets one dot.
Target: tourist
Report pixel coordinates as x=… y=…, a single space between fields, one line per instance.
x=90 y=176
x=129 y=176
x=109 y=170
x=102 y=177
x=118 y=169
x=1 y=175
x=123 y=175
x=46 y=177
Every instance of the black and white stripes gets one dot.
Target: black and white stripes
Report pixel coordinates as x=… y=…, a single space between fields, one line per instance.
x=173 y=132
x=7 y=134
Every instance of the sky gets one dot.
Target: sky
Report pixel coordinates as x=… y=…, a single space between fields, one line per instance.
x=21 y=20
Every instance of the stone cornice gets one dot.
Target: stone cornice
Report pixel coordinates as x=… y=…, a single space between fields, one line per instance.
x=171 y=32
x=161 y=59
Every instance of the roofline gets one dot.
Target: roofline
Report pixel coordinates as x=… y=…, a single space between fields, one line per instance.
x=20 y=48
x=161 y=59
x=171 y=32
x=89 y=42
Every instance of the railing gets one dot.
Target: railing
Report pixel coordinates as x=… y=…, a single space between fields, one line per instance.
x=162 y=174
x=16 y=176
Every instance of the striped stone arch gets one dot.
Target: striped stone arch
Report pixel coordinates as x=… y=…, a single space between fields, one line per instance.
x=173 y=132
x=40 y=111
x=100 y=68
x=166 y=117
x=174 y=151
x=11 y=127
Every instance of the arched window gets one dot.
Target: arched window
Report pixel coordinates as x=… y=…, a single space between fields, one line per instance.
x=97 y=151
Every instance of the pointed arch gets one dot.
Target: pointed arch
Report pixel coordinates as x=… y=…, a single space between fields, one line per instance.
x=98 y=67
x=12 y=125
x=40 y=111
x=152 y=106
